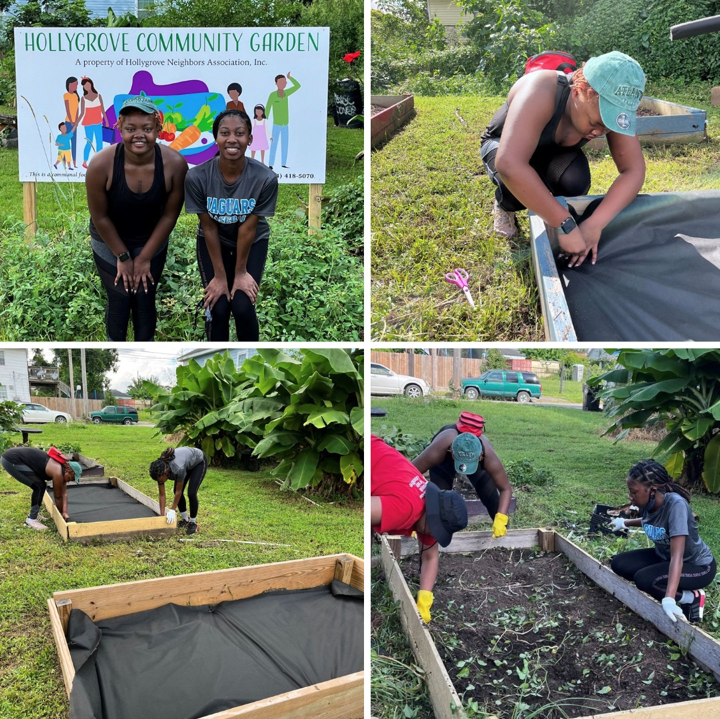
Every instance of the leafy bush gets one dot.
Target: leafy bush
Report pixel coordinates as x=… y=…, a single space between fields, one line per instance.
x=50 y=290
x=427 y=84
x=64 y=447
x=109 y=399
x=407 y=444
x=523 y=473
x=344 y=211
x=10 y=417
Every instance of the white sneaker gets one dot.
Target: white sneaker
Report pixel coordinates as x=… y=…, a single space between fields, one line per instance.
x=504 y=222
x=35 y=524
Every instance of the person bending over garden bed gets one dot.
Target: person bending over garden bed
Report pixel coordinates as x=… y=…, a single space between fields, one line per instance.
x=681 y=564
x=186 y=466
x=460 y=448
x=232 y=195
x=135 y=194
x=404 y=502
x=33 y=468
x=532 y=147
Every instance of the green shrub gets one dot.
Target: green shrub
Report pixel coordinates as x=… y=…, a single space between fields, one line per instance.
x=10 y=417
x=435 y=85
x=344 y=211
x=407 y=444
x=523 y=473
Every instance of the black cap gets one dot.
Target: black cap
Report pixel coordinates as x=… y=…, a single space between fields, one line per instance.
x=445 y=513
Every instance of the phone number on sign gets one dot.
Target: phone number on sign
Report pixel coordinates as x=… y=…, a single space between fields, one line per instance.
x=293 y=176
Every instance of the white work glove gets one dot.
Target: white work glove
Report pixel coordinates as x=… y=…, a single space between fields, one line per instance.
x=672 y=609
x=617 y=524
x=170 y=516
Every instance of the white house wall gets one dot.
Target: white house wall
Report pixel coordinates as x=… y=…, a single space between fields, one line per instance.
x=14 y=375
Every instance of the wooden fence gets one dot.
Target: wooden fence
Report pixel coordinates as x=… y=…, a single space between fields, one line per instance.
x=63 y=404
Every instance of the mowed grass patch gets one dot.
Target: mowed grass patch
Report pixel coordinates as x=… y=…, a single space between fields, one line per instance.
x=432 y=205
x=589 y=469
x=234 y=505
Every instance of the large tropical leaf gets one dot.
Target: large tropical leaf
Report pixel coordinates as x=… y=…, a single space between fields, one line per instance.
x=322 y=417
x=351 y=467
x=303 y=468
x=357 y=418
x=711 y=470
x=335 y=444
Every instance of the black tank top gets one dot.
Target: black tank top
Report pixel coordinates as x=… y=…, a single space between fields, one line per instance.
x=33 y=458
x=562 y=93
x=134 y=214
x=447 y=467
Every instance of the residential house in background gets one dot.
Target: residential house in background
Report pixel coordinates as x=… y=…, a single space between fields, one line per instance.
x=99 y=8
x=449 y=13
x=202 y=355
x=14 y=378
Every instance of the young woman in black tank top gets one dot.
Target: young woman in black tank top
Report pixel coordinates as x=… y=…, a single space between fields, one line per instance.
x=532 y=147
x=135 y=192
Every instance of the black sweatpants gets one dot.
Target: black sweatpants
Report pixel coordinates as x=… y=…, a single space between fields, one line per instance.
x=481 y=481
x=192 y=482
x=564 y=171
x=24 y=474
x=246 y=322
x=121 y=303
x=650 y=573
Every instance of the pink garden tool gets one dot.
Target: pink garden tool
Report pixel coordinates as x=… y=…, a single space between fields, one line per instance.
x=460 y=278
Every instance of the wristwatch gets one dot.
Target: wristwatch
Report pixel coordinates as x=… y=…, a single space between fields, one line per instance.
x=568 y=226
x=124 y=257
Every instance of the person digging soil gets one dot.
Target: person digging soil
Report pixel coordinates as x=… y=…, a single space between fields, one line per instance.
x=481 y=466
x=33 y=468
x=404 y=502
x=681 y=564
x=186 y=467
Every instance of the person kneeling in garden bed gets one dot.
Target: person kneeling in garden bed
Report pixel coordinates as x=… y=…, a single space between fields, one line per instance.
x=33 y=468
x=186 y=466
x=532 y=147
x=404 y=502
x=681 y=564
x=460 y=448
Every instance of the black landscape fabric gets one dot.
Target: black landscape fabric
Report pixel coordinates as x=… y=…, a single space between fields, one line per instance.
x=657 y=277
x=102 y=503
x=179 y=662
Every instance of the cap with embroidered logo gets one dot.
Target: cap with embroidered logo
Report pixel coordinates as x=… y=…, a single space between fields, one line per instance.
x=620 y=82
x=466 y=451
x=138 y=102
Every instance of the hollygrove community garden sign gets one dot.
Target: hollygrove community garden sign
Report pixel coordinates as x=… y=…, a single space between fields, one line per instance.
x=72 y=82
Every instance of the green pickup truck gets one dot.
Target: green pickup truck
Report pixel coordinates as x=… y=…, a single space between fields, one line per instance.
x=520 y=386
x=118 y=415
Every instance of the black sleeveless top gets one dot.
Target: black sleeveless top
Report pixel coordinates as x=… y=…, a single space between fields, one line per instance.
x=446 y=468
x=134 y=214
x=562 y=93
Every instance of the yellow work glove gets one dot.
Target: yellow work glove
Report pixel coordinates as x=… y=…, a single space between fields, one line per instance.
x=500 y=525
x=424 y=602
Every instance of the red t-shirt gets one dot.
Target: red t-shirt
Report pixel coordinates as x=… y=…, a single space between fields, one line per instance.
x=402 y=489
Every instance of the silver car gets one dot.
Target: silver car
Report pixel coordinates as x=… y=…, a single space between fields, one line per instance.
x=384 y=381
x=39 y=414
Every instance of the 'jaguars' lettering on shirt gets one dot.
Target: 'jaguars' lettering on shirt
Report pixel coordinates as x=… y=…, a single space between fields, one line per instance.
x=229 y=210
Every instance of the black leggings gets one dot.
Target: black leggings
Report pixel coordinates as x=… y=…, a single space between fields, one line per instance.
x=481 y=481
x=193 y=481
x=122 y=303
x=246 y=322
x=650 y=572
x=24 y=474
x=564 y=171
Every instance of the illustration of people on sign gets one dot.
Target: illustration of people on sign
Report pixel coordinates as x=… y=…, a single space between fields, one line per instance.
x=277 y=106
x=260 y=140
x=92 y=117
x=64 y=145
x=72 y=106
x=234 y=91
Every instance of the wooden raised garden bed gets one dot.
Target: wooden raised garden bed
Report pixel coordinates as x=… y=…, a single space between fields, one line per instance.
x=390 y=113
x=691 y=639
x=120 y=529
x=340 y=698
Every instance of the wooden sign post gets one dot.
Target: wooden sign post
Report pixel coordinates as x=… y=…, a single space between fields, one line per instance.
x=315 y=208
x=30 y=209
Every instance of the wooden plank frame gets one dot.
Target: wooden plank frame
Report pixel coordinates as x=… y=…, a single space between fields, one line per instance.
x=341 y=698
x=704 y=649
x=116 y=530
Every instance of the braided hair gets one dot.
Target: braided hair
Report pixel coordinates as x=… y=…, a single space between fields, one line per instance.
x=161 y=466
x=652 y=474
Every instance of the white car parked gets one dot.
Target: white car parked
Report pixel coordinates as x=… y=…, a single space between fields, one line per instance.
x=39 y=414
x=384 y=381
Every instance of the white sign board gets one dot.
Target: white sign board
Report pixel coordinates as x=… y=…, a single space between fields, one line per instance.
x=71 y=83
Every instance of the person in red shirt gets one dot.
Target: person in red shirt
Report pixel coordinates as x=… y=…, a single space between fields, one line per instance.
x=403 y=502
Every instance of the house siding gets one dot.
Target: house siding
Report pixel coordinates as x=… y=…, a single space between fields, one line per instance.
x=14 y=375
x=238 y=356
x=446 y=11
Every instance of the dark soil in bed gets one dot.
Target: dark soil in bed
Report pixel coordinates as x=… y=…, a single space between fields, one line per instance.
x=519 y=630
x=647 y=112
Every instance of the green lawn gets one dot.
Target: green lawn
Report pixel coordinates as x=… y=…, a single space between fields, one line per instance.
x=589 y=470
x=571 y=391
x=234 y=505
x=431 y=212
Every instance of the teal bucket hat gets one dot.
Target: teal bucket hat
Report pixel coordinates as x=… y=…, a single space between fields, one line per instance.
x=466 y=450
x=620 y=83
x=77 y=469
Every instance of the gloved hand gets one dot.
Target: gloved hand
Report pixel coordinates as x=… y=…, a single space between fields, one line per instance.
x=672 y=609
x=500 y=525
x=170 y=516
x=424 y=602
x=618 y=524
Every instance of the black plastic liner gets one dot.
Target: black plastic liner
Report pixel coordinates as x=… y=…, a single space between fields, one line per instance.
x=102 y=503
x=179 y=662
x=657 y=277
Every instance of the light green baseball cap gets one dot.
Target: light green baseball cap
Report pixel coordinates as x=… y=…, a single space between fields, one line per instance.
x=620 y=82
x=138 y=102
x=77 y=471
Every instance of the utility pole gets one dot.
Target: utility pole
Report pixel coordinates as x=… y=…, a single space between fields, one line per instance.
x=72 y=386
x=86 y=413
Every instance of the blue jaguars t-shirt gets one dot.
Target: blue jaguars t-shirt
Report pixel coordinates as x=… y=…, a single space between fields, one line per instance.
x=253 y=193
